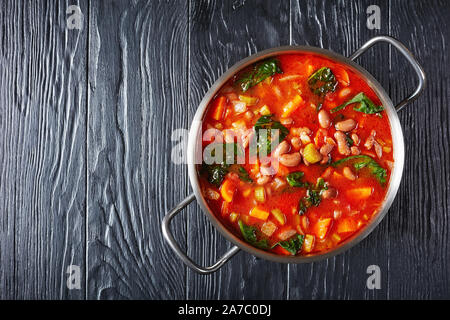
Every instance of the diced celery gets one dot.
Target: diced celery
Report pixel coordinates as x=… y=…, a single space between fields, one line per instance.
x=260 y=194
x=279 y=216
x=250 y=101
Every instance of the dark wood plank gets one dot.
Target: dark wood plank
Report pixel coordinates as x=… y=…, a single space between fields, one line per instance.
x=220 y=36
x=42 y=150
x=341 y=27
x=137 y=97
x=419 y=235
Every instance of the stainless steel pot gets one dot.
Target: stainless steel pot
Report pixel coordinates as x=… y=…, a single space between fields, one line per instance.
x=396 y=174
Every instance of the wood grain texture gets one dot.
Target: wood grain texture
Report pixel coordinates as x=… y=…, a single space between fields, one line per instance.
x=42 y=150
x=419 y=221
x=220 y=36
x=137 y=97
x=85 y=154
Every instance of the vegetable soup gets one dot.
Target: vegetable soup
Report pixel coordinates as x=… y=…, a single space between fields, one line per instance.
x=297 y=154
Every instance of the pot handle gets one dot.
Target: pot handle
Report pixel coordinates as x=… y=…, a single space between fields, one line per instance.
x=408 y=55
x=175 y=247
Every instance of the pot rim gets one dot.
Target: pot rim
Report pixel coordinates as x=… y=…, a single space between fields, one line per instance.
x=397 y=139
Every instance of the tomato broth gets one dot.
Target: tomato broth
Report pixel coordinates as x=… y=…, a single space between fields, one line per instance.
x=329 y=172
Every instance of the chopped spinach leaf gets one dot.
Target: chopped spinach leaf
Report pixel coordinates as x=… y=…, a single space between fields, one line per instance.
x=266 y=122
x=313 y=196
x=294 y=179
x=363 y=161
x=322 y=81
x=260 y=72
x=348 y=140
x=365 y=105
x=293 y=245
x=215 y=173
x=243 y=175
x=249 y=234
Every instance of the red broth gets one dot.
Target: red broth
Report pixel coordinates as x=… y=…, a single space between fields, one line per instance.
x=332 y=200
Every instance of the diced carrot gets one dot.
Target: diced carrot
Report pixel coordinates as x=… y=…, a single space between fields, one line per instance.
x=259 y=213
x=291 y=106
x=219 y=107
x=227 y=190
x=359 y=193
x=308 y=243
x=346 y=225
x=282 y=170
x=321 y=227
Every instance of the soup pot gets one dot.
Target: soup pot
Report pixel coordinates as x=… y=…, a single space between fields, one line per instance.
x=195 y=134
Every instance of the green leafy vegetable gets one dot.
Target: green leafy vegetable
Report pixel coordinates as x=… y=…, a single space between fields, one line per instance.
x=313 y=196
x=217 y=171
x=294 y=179
x=272 y=126
x=363 y=161
x=365 y=104
x=243 y=174
x=322 y=81
x=260 y=71
x=249 y=234
x=294 y=244
x=348 y=140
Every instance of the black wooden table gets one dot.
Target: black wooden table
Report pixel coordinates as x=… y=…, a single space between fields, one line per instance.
x=87 y=112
